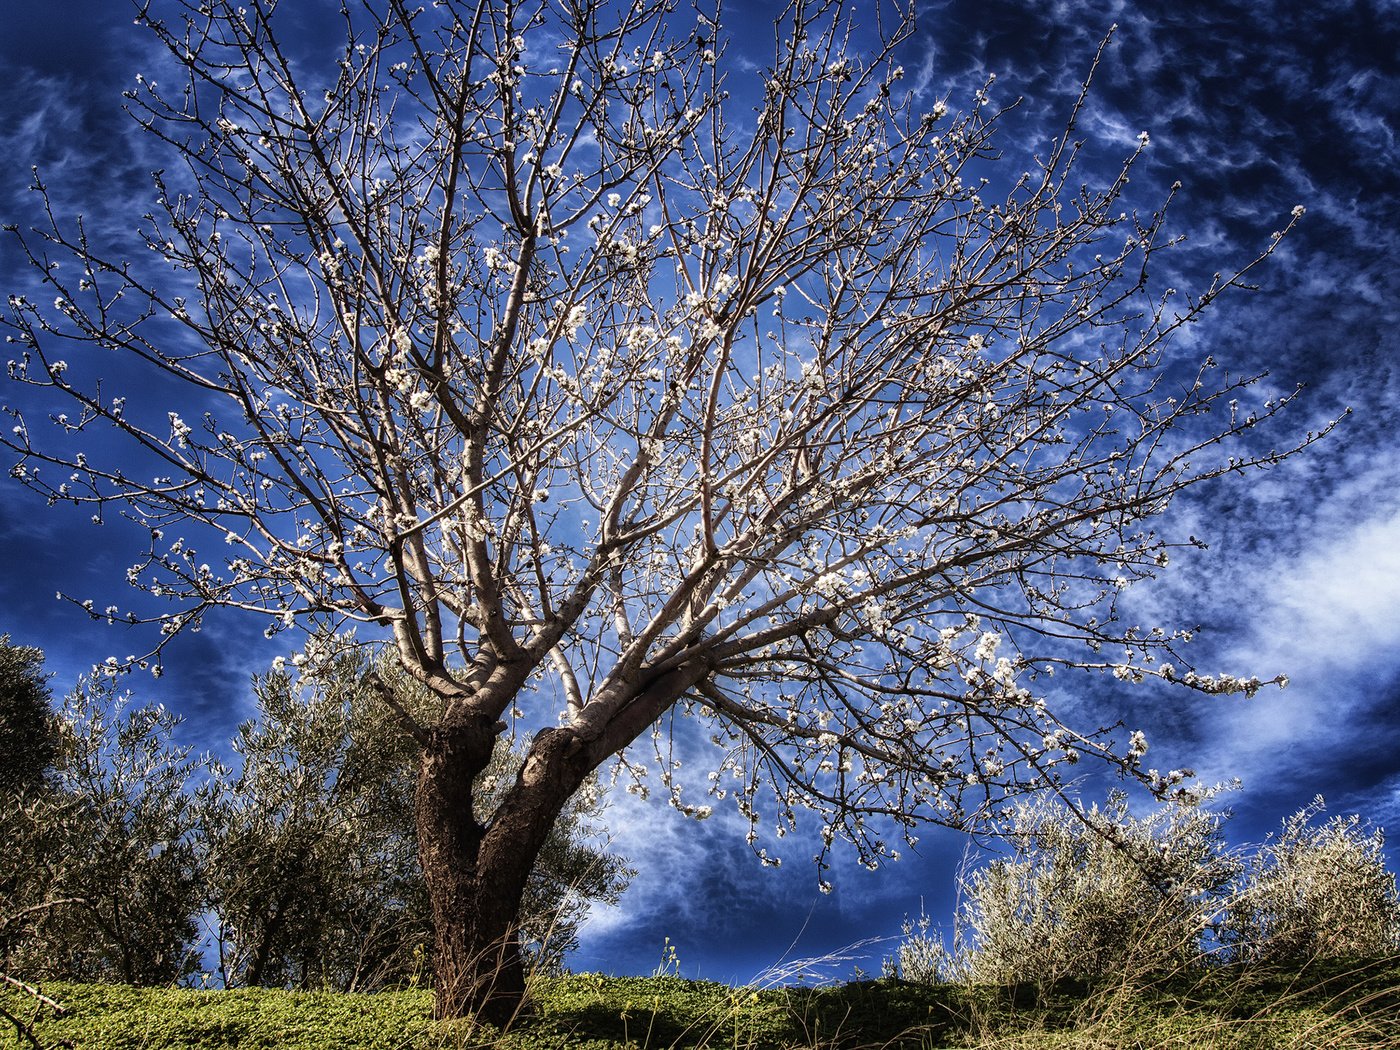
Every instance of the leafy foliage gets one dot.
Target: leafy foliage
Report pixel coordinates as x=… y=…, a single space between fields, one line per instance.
x=29 y=746
x=1102 y=895
x=1096 y=893
x=922 y=957
x=1316 y=891
x=28 y=736
x=1230 y=1010
x=104 y=874
x=114 y=1017
x=313 y=876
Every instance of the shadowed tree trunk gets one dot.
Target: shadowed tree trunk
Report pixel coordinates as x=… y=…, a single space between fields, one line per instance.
x=476 y=873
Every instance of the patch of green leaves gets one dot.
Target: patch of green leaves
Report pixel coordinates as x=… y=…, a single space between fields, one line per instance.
x=115 y=1017
x=1332 y=1005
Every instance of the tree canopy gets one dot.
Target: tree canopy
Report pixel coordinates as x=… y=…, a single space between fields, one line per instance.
x=28 y=735
x=510 y=332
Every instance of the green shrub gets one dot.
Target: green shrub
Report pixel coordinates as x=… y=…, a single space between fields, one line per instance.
x=1092 y=894
x=923 y=958
x=118 y=1017
x=29 y=740
x=99 y=879
x=1102 y=894
x=1315 y=891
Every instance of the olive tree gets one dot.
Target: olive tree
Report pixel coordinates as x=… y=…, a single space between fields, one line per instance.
x=28 y=732
x=29 y=747
x=99 y=872
x=507 y=332
x=1316 y=890
x=1097 y=893
x=307 y=843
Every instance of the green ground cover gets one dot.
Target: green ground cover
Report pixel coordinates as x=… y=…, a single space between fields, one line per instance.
x=1335 y=1006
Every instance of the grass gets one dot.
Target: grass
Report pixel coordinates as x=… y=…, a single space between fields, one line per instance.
x=1332 y=1006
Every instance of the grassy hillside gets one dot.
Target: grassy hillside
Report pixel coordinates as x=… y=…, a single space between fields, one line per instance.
x=1339 y=1006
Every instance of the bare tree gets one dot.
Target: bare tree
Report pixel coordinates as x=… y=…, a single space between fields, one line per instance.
x=505 y=332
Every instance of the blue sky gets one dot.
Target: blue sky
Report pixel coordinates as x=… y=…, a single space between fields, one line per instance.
x=1253 y=107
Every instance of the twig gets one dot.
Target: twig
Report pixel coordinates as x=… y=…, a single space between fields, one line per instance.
x=26 y=1029
x=58 y=1008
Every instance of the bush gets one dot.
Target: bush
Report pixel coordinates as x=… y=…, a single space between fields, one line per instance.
x=923 y=958
x=28 y=734
x=1316 y=891
x=1098 y=893
x=1095 y=893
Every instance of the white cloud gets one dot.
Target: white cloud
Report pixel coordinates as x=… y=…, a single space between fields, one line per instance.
x=1326 y=618
x=662 y=846
x=1343 y=602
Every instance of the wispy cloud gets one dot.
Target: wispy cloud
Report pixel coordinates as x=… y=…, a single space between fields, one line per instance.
x=1330 y=619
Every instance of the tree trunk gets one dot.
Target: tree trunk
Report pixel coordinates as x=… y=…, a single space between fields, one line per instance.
x=475 y=874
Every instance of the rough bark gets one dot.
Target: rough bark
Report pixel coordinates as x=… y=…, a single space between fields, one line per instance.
x=476 y=873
